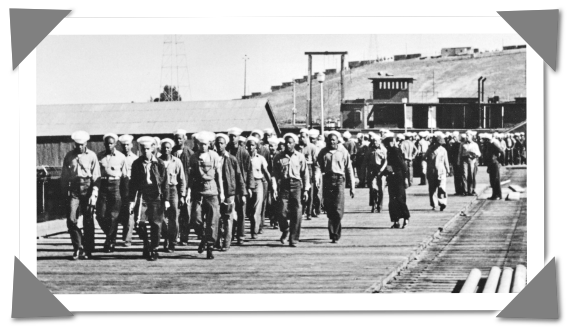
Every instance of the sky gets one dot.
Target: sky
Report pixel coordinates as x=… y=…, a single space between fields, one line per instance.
x=122 y=69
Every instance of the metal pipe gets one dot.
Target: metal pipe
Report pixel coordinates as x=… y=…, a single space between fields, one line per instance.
x=484 y=80
x=322 y=117
x=506 y=280
x=310 y=79
x=471 y=283
x=479 y=109
x=493 y=279
x=520 y=279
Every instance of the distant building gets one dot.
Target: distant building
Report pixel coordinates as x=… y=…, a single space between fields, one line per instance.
x=401 y=57
x=275 y=87
x=454 y=51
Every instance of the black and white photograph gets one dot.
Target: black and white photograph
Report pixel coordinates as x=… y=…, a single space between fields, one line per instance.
x=282 y=163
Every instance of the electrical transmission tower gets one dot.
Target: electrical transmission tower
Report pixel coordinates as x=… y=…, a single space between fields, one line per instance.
x=174 y=69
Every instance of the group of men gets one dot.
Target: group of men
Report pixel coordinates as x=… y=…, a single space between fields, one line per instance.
x=212 y=188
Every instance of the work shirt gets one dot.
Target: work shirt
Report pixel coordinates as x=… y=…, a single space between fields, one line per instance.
x=130 y=157
x=148 y=177
x=175 y=174
x=351 y=147
x=80 y=165
x=470 y=149
x=423 y=146
x=408 y=149
x=113 y=165
x=183 y=153
x=204 y=173
x=337 y=161
x=437 y=162
x=375 y=160
x=291 y=167
x=258 y=163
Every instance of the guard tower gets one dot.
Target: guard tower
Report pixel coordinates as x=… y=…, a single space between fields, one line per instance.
x=391 y=89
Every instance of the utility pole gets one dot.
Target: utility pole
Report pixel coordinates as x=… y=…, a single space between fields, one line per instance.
x=294 y=110
x=245 y=67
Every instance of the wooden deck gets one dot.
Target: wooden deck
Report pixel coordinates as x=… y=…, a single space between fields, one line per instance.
x=368 y=251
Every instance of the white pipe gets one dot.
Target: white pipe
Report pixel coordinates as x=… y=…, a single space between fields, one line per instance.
x=520 y=279
x=493 y=279
x=471 y=283
x=506 y=280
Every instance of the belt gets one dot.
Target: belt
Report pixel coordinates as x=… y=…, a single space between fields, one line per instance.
x=108 y=178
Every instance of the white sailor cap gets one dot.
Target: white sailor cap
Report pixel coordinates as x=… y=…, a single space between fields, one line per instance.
x=336 y=133
x=281 y=140
x=114 y=136
x=423 y=134
x=389 y=134
x=126 y=139
x=80 y=137
x=181 y=132
x=293 y=136
x=439 y=134
x=400 y=136
x=157 y=141
x=253 y=139
x=268 y=131
x=463 y=135
x=257 y=132
x=167 y=140
x=303 y=130
x=347 y=134
x=146 y=141
x=205 y=137
x=370 y=133
x=234 y=131
x=273 y=140
x=485 y=136
x=375 y=138
x=313 y=133
x=241 y=139
x=224 y=136
x=456 y=133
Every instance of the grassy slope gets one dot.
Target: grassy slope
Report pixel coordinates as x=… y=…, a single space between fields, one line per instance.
x=505 y=72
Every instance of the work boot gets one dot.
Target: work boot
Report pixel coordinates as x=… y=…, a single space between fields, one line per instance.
x=209 y=254
x=201 y=247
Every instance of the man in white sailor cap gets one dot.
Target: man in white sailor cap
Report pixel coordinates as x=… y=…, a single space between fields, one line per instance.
x=271 y=209
x=80 y=178
x=268 y=132
x=494 y=154
x=454 y=145
x=376 y=161
x=205 y=182
x=113 y=170
x=316 y=188
x=510 y=143
x=359 y=163
x=183 y=152
x=264 y=152
x=244 y=160
x=310 y=152
x=149 y=184
x=409 y=152
x=291 y=178
x=177 y=189
x=234 y=189
x=125 y=218
x=422 y=146
x=334 y=163
x=259 y=193
x=438 y=168
x=468 y=157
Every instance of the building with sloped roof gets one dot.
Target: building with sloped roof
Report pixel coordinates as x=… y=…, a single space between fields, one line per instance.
x=55 y=123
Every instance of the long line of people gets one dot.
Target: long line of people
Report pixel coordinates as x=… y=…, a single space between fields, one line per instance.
x=228 y=178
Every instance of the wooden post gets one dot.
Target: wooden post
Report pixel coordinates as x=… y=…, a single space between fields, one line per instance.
x=341 y=78
x=310 y=79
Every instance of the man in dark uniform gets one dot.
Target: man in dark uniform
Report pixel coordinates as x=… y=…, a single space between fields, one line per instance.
x=125 y=218
x=246 y=169
x=493 y=156
x=310 y=152
x=183 y=152
x=80 y=177
x=453 y=150
x=149 y=180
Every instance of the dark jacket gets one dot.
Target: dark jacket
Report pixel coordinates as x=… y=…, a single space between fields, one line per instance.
x=245 y=165
x=185 y=159
x=139 y=178
x=232 y=179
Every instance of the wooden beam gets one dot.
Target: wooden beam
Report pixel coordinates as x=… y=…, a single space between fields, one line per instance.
x=325 y=53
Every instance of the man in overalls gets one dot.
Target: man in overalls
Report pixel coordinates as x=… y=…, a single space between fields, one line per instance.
x=205 y=181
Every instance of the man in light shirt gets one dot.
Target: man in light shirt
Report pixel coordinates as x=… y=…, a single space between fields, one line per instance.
x=409 y=151
x=422 y=146
x=334 y=163
x=125 y=218
x=438 y=169
x=291 y=177
x=80 y=178
x=176 y=185
x=113 y=169
x=468 y=158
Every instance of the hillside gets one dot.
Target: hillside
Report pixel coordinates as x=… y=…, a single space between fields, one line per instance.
x=453 y=77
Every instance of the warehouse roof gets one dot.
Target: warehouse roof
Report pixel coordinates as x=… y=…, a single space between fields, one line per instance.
x=155 y=117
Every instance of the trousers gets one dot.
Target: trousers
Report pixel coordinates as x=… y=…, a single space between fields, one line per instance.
x=334 y=202
x=209 y=207
x=437 y=187
x=469 y=171
x=151 y=210
x=256 y=206
x=308 y=205
x=108 y=207
x=78 y=204
x=494 y=171
x=376 y=187
x=289 y=207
